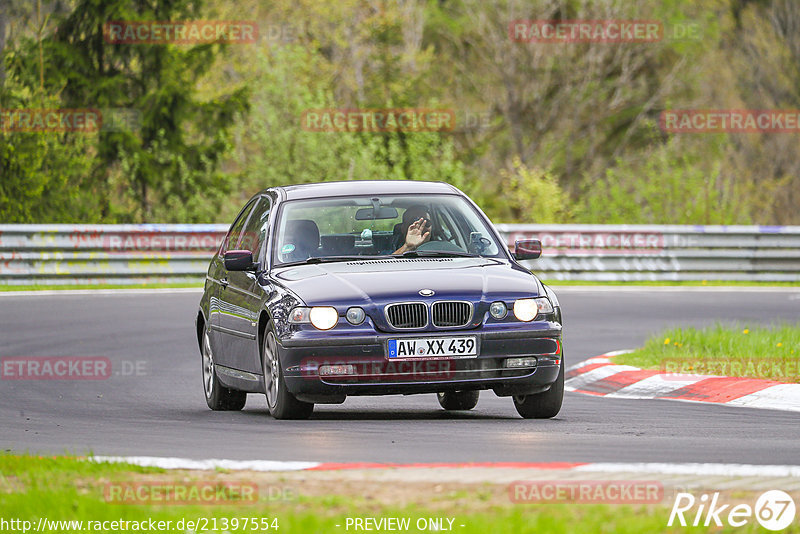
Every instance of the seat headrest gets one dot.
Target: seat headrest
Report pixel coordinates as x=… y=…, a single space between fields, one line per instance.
x=303 y=234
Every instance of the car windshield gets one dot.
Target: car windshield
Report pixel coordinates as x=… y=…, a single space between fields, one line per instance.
x=364 y=226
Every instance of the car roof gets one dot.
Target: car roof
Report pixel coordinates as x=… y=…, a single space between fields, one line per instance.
x=365 y=187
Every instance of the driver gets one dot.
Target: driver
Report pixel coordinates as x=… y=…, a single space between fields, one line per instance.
x=415 y=229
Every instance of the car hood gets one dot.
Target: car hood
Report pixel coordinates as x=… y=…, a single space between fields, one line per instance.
x=379 y=282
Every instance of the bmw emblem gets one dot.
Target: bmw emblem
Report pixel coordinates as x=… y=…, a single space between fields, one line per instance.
x=427 y=292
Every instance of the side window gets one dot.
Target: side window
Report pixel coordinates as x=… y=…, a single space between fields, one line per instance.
x=256 y=228
x=232 y=239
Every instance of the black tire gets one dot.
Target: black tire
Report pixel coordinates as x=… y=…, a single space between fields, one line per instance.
x=458 y=400
x=542 y=405
x=281 y=403
x=218 y=397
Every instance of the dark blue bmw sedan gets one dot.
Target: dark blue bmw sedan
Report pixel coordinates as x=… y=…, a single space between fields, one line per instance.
x=320 y=291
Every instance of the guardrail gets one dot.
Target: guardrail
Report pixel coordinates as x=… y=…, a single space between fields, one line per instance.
x=663 y=253
x=132 y=254
x=107 y=254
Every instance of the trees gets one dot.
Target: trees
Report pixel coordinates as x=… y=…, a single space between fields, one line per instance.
x=576 y=120
x=343 y=55
x=162 y=167
x=43 y=177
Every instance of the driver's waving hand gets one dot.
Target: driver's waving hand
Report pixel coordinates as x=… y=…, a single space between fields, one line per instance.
x=415 y=229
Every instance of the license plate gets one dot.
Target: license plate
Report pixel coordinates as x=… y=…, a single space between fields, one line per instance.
x=434 y=347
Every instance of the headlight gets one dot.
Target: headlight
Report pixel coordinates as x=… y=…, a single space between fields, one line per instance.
x=498 y=309
x=355 y=315
x=527 y=309
x=322 y=317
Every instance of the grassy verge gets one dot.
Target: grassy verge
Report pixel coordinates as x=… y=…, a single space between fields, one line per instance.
x=755 y=352
x=69 y=489
x=687 y=283
x=60 y=287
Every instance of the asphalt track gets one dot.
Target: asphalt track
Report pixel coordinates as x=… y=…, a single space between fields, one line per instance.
x=160 y=411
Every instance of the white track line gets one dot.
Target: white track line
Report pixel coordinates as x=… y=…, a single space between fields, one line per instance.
x=206 y=465
x=695 y=469
x=699 y=469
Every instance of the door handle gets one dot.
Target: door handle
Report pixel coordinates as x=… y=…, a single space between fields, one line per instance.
x=223 y=282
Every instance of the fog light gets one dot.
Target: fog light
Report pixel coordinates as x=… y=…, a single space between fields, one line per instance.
x=355 y=316
x=498 y=310
x=341 y=369
x=529 y=361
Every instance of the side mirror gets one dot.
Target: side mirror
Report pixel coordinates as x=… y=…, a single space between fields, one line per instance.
x=527 y=249
x=239 y=260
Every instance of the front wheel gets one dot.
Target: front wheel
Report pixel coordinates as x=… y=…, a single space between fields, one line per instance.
x=542 y=405
x=218 y=397
x=281 y=403
x=458 y=400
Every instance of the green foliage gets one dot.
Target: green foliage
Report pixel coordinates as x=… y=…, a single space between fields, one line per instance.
x=276 y=150
x=532 y=195
x=675 y=183
x=568 y=132
x=162 y=169
x=43 y=176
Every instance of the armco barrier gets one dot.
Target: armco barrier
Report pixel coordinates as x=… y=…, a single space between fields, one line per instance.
x=650 y=252
x=106 y=254
x=115 y=254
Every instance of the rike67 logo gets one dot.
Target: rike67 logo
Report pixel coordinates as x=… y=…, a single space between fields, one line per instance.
x=774 y=510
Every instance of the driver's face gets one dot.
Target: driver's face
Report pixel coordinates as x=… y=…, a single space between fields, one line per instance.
x=427 y=222
x=411 y=218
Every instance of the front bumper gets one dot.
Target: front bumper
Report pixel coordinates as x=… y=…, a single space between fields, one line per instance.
x=375 y=374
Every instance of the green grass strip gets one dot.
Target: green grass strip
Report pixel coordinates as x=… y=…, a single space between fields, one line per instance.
x=746 y=351
x=71 y=489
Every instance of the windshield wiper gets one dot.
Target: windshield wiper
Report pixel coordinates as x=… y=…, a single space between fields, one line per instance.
x=437 y=254
x=410 y=254
x=331 y=259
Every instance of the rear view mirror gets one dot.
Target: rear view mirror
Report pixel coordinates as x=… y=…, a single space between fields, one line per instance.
x=369 y=214
x=239 y=260
x=527 y=249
